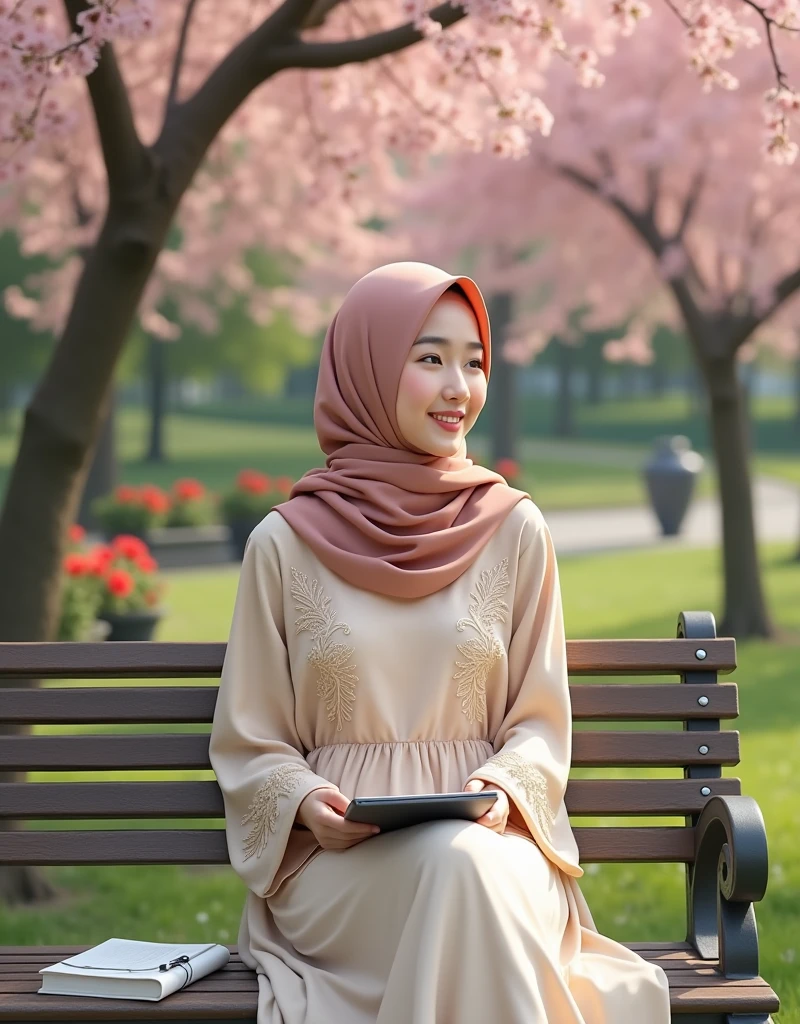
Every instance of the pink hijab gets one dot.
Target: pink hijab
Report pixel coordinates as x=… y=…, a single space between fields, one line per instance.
x=382 y=514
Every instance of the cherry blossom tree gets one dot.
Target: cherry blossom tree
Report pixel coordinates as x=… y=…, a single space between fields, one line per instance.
x=147 y=147
x=654 y=207
x=146 y=150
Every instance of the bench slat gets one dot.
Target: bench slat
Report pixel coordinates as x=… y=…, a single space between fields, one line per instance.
x=156 y=659
x=695 y=985
x=208 y=846
x=57 y=800
x=123 y=704
x=187 y=750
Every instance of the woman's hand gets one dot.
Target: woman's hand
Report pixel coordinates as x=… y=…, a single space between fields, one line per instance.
x=322 y=812
x=497 y=815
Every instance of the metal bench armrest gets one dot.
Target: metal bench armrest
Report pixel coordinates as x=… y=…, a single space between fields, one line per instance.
x=728 y=876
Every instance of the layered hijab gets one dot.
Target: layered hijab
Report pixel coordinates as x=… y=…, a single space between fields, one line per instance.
x=382 y=514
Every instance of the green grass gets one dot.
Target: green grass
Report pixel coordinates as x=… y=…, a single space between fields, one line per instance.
x=558 y=475
x=611 y=595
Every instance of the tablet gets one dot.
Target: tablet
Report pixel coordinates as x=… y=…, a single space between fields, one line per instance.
x=393 y=812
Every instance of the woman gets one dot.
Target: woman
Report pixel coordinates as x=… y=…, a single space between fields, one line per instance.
x=398 y=629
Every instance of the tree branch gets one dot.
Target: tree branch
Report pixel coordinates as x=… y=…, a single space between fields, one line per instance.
x=784 y=289
x=177 y=61
x=652 y=182
x=124 y=154
x=692 y=199
x=297 y=54
x=320 y=10
x=191 y=126
x=644 y=226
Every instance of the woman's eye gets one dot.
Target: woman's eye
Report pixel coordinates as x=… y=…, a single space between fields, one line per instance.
x=476 y=363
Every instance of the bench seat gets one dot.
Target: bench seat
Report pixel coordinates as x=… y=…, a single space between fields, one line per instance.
x=696 y=987
x=622 y=723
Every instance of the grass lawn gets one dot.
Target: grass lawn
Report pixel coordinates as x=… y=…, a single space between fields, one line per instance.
x=605 y=595
x=558 y=475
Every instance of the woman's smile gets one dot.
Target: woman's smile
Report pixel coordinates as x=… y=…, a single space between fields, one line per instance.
x=451 y=424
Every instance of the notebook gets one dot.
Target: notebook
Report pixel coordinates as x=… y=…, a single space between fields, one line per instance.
x=130 y=969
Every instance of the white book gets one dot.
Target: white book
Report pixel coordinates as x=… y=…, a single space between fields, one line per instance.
x=129 y=969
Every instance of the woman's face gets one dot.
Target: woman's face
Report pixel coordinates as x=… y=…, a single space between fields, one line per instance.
x=443 y=374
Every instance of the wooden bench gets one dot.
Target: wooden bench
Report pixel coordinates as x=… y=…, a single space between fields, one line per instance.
x=713 y=974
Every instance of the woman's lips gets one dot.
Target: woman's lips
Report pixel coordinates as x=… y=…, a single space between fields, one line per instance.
x=452 y=428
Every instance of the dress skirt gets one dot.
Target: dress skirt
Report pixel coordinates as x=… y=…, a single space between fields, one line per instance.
x=442 y=923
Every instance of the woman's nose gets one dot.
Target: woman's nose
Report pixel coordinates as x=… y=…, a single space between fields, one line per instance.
x=456 y=389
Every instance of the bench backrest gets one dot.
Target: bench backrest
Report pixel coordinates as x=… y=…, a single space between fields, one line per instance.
x=164 y=728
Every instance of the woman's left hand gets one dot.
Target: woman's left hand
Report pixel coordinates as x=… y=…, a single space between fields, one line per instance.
x=497 y=815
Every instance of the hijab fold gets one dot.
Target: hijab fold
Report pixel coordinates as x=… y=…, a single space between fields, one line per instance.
x=384 y=515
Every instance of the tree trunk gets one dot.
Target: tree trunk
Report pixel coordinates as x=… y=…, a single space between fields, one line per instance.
x=63 y=420
x=745 y=611
x=658 y=380
x=157 y=359
x=5 y=407
x=564 y=421
x=504 y=382
x=594 y=390
x=61 y=426
x=20 y=885
x=103 y=474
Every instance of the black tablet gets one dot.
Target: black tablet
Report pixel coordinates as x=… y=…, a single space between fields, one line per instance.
x=393 y=812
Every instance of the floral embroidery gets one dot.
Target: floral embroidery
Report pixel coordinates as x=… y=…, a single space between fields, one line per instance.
x=337 y=680
x=263 y=810
x=482 y=651
x=532 y=783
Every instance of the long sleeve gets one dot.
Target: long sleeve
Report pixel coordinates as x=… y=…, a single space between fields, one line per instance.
x=533 y=744
x=255 y=750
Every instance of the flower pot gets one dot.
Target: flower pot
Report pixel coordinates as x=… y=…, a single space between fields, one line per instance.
x=671 y=474
x=175 y=547
x=240 y=531
x=131 y=625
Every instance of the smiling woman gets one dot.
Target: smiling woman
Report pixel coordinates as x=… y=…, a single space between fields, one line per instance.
x=442 y=386
x=398 y=630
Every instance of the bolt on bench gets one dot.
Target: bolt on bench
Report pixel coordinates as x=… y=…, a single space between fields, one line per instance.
x=713 y=975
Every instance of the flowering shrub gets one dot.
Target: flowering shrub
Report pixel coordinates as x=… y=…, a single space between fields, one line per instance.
x=509 y=468
x=80 y=593
x=129 y=576
x=254 y=495
x=191 y=504
x=114 y=578
x=132 y=510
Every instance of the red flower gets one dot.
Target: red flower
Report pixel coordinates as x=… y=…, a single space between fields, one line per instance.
x=76 y=564
x=120 y=583
x=188 y=489
x=99 y=559
x=76 y=533
x=154 y=499
x=125 y=493
x=509 y=468
x=284 y=484
x=146 y=563
x=253 y=482
x=127 y=546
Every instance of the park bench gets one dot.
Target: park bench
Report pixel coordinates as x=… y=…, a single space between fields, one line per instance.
x=720 y=837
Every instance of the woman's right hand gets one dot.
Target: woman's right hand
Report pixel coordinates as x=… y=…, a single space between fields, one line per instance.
x=322 y=812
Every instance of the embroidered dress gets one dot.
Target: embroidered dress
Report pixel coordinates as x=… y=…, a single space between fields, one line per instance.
x=443 y=923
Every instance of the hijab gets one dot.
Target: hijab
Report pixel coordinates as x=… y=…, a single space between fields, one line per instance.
x=382 y=514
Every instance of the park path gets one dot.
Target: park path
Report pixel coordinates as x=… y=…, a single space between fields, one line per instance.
x=579 y=531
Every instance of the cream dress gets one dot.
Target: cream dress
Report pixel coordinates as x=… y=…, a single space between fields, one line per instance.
x=442 y=923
